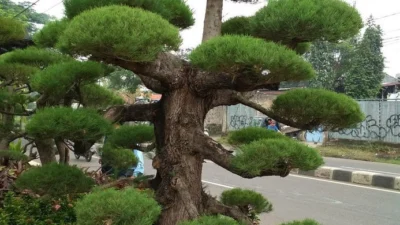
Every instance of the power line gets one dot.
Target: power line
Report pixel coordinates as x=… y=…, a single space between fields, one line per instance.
x=26 y=9
x=393 y=14
x=395 y=37
x=52 y=7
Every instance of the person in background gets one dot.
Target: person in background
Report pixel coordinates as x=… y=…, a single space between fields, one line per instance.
x=273 y=127
x=138 y=170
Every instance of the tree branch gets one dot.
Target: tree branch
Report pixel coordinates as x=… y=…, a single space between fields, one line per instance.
x=27 y=113
x=214 y=207
x=164 y=69
x=153 y=84
x=203 y=82
x=215 y=152
x=139 y=112
x=229 y=97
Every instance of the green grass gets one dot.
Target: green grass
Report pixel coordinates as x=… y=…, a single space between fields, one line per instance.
x=372 y=152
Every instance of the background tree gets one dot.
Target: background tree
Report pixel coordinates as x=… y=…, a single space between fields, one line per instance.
x=366 y=72
x=331 y=62
x=32 y=18
x=138 y=35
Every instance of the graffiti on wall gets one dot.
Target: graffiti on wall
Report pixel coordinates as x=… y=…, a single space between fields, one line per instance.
x=371 y=128
x=242 y=121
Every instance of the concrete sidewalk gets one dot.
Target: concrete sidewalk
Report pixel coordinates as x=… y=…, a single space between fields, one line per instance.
x=364 y=176
x=356 y=177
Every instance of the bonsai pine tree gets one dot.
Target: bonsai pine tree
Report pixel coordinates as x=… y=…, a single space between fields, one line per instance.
x=12 y=77
x=251 y=53
x=59 y=81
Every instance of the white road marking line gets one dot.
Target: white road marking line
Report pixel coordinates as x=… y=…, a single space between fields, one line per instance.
x=216 y=184
x=347 y=184
x=377 y=171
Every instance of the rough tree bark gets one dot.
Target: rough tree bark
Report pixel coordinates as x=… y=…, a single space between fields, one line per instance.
x=45 y=146
x=213 y=19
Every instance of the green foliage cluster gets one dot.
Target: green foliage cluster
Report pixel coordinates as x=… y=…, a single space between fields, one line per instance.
x=250 y=134
x=144 y=35
x=57 y=80
x=96 y=96
x=18 y=73
x=319 y=108
x=302 y=222
x=174 y=11
x=239 y=25
x=55 y=180
x=8 y=100
x=271 y=153
x=310 y=20
x=232 y=53
x=244 y=198
x=11 y=30
x=128 y=206
x=67 y=123
x=118 y=158
x=214 y=220
x=13 y=155
x=48 y=36
x=27 y=210
x=36 y=57
x=130 y=136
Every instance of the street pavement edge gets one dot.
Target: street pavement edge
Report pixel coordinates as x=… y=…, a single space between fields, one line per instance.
x=356 y=177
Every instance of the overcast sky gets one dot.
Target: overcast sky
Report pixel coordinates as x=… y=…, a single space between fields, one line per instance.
x=389 y=9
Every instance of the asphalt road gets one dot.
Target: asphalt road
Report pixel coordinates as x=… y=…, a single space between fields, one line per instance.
x=297 y=197
x=355 y=165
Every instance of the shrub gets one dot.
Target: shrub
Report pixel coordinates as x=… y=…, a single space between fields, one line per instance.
x=48 y=36
x=250 y=134
x=303 y=222
x=269 y=154
x=11 y=30
x=36 y=57
x=243 y=198
x=128 y=206
x=250 y=56
x=119 y=159
x=330 y=20
x=55 y=180
x=13 y=155
x=66 y=123
x=240 y=25
x=144 y=35
x=27 y=210
x=130 y=136
x=319 y=108
x=177 y=12
x=214 y=220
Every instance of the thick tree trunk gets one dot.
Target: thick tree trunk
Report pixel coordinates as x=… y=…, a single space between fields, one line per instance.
x=213 y=19
x=179 y=187
x=63 y=152
x=4 y=143
x=46 y=151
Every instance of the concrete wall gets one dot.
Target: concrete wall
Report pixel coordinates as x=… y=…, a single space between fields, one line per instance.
x=382 y=123
x=225 y=118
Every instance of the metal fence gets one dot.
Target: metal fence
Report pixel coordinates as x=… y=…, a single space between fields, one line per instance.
x=382 y=123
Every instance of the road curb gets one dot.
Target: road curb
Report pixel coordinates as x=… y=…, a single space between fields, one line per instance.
x=356 y=177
